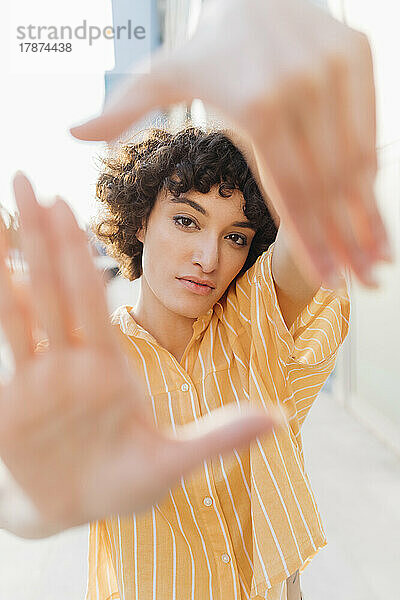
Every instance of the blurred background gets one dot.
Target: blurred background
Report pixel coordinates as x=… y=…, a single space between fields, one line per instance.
x=351 y=437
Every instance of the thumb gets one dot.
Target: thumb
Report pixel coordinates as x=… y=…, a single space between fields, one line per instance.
x=222 y=431
x=138 y=95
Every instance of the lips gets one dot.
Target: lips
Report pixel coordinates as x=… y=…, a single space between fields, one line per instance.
x=197 y=288
x=197 y=283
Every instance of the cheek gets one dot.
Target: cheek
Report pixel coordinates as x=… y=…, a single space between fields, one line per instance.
x=233 y=262
x=160 y=253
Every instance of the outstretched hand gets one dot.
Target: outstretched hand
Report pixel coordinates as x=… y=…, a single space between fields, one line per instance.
x=75 y=430
x=301 y=86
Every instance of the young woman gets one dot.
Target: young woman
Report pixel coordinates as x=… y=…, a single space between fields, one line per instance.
x=224 y=315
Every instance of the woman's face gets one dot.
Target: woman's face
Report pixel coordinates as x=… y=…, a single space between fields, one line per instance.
x=194 y=237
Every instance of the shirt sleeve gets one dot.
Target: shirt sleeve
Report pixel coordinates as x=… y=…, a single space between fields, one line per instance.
x=315 y=335
x=102 y=583
x=306 y=352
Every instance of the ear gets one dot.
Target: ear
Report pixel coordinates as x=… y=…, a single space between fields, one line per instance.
x=140 y=235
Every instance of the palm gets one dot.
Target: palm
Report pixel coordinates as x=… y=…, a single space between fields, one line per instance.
x=75 y=429
x=84 y=430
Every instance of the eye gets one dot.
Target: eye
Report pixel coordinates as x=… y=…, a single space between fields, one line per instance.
x=183 y=221
x=242 y=240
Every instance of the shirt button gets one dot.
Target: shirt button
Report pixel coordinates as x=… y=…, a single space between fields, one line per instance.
x=207 y=501
x=184 y=387
x=225 y=558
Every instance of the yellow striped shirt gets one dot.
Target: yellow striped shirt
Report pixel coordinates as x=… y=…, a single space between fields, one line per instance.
x=239 y=525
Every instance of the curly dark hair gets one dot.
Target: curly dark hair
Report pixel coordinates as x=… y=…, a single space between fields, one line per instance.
x=193 y=158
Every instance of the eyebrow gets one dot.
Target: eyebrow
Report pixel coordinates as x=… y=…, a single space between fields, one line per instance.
x=200 y=209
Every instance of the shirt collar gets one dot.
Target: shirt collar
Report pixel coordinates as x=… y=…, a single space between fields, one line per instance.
x=122 y=316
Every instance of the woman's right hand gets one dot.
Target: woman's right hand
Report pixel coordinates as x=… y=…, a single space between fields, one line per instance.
x=75 y=431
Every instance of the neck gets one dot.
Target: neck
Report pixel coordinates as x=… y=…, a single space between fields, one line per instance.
x=171 y=330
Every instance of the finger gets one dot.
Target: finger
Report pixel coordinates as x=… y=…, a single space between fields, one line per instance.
x=221 y=431
x=312 y=135
x=341 y=236
x=366 y=218
x=306 y=111
x=362 y=93
x=39 y=256
x=354 y=96
x=82 y=284
x=366 y=213
x=14 y=317
x=296 y=198
x=134 y=99
x=327 y=141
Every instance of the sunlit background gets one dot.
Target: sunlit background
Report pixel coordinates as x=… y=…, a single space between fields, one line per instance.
x=352 y=435
x=44 y=99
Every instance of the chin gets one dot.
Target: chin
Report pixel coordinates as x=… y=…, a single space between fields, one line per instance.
x=191 y=312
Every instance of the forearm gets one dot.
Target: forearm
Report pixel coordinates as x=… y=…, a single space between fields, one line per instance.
x=246 y=147
x=294 y=287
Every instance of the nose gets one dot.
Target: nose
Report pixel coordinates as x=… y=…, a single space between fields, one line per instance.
x=207 y=255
